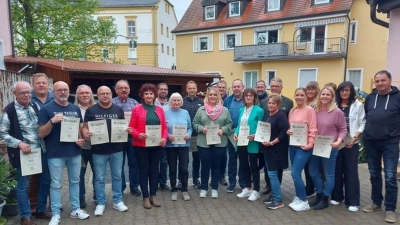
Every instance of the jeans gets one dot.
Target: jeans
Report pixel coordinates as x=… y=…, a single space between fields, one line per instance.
x=100 y=168
x=86 y=158
x=375 y=150
x=44 y=185
x=273 y=176
x=24 y=207
x=233 y=167
x=309 y=182
x=329 y=165
x=173 y=155
x=162 y=176
x=210 y=160
x=149 y=160
x=129 y=152
x=299 y=159
x=56 y=166
x=249 y=163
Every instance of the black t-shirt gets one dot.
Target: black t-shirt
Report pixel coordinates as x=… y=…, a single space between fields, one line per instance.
x=346 y=111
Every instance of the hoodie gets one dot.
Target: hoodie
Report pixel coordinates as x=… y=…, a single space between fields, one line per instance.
x=383 y=116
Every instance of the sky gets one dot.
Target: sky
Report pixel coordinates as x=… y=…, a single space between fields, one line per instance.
x=180 y=7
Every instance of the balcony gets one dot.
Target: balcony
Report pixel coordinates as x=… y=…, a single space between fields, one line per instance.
x=304 y=49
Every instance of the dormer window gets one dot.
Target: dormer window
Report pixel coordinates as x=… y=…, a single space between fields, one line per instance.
x=209 y=12
x=234 y=9
x=273 y=5
x=317 y=2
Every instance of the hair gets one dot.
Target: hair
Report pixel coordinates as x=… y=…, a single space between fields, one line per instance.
x=147 y=87
x=332 y=105
x=36 y=75
x=300 y=89
x=332 y=85
x=121 y=81
x=92 y=102
x=14 y=86
x=261 y=81
x=343 y=85
x=190 y=82
x=158 y=86
x=276 y=79
x=275 y=97
x=253 y=92
x=387 y=73
x=241 y=82
x=176 y=95
x=313 y=85
x=222 y=82
x=219 y=101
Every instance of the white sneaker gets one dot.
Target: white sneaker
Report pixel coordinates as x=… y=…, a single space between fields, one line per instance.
x=203 y=194
x=185 y=196
x=55 y=220
x=301 y=206
x=214 y=193
x=295 y=201
x=254 y=196
x=353 y=208
x=99 y=210
x=333 y=202
x=245 y=193
x=79 y=214
x=120 y=206
x=174 y=196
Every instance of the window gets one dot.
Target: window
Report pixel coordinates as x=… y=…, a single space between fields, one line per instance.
x=313 y=38
x=234 y=9
x=167 y=50
x=173 y=52
x=307 y=75
x=355 y=77
x=209 y=12
x=203 y=43
x=228 y=41
x=273 y=5
x=270 y=76
x=321 y=1
x=132 y=53
x=250 y=79
x=167 y=7
x=173 y=36
x=353 y=32
x=162 y=29
x=162 y=48
x=167 y=32
x=265 y=37
x=131 y=29
x=305 y=34
x=104 y=54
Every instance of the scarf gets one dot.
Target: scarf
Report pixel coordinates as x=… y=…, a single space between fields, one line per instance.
x=213 y=113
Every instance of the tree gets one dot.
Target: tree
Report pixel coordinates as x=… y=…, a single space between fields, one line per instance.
x=60 y=28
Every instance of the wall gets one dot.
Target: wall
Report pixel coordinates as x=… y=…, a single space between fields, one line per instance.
x=393 y=54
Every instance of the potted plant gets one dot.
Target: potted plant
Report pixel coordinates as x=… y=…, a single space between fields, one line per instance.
x=7 y=181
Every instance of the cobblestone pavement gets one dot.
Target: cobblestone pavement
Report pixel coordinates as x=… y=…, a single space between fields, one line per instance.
x=227 y=209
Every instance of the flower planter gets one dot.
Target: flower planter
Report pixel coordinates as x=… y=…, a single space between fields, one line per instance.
x=2 y=203
x=2 y=221
x=10 y=210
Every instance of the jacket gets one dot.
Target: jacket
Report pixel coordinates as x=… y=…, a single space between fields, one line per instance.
x=356 y=118
x=256 y=114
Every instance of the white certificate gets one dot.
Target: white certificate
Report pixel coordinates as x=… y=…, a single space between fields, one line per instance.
x=244 y=132
x=153 y=133
x=212 y=137
x=179 y=132
x=346 y=140
x=100 y=132
x=263 y=132
x=118 y=131
x=127 y=116
x=322 y=146
x=299 y=135
x=31 y=163
x=69 y=129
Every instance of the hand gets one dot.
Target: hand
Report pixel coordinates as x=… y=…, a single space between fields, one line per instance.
x=171 y=138
x=80 y=142
x=163 y=142
x=220 y=132
x=251 y=137
x=306 y=147
x=57 y=118
x=289 y=132
x=186 y=137
x=235 y=137
x=350 y=145
x=26 y=149
x=266 y=143
x=129 y=130
x=86 y=134
x=336 y=145
x=204 y=130
x=142 y=136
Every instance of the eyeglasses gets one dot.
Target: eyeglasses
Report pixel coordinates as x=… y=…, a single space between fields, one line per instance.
x=24 y=93
x=275 y=86
x=62 y=90
x=249 y=96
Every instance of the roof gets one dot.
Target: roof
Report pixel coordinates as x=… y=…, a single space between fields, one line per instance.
x=127 y=3
x=255 y=13
x=101 y=67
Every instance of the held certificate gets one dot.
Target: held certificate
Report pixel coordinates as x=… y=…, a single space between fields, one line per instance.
x=100 y=132
x=69 y=129
x=31 y=163
x=179 y=132
x=127 y=116
x=244 y=132
x=322 y=146
x=231 y=138
x=153 y=133
x=263 y=132
x=346 y=140
x=299 y=136
x=118 y=131
x=212 y=137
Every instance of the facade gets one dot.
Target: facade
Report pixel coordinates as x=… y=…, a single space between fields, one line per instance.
x=5 y=35
x=295 y=40
x=148 y=23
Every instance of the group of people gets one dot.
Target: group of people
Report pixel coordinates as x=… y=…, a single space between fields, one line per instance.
x=219 y=131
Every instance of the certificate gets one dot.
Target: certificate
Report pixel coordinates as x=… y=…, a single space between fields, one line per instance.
x=232 y=140
x=322 y=146
x=244 y=132
x=212 y=137
x=31 y=163
x=299 y=135
x=179 y=132
x=127 y=116
x=69 y=129
x=118 y=131
x=153 y=133
x=346 y=140
x=263 y=132
x=100 y=132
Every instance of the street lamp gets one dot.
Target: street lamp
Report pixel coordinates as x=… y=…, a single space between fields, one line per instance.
x=115 y=38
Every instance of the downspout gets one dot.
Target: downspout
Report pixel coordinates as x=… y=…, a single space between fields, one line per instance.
x=347 y=46
x=374 y=19
x=11 y=29
x=155 y=30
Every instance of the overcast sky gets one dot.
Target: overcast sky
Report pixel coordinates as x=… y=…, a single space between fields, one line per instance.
x=180 y=7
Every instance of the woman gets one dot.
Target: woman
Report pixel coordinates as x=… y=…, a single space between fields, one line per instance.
x=175 y=115
x=299 y=155
x=276 y=150
x=145 y=115
x=212 y=113
x=330 y=122
x=249 y=115
x=346 y=173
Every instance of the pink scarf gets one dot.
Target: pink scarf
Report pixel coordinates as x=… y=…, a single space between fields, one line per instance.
x=213 y=113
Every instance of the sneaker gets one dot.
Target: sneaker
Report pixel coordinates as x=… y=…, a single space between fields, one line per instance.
x=390 y=217
x=254 y=195
x=333 y=202
x=269 y=199
x=136 y=192
x=371 y=208
x=230 y=188
x=197 y=184
x=55 y=220
x=174 y=196
x=353 y=208
x=275 y=205
x=79 y=214
x=245 y=193
x=203 y=194
x=301 y=206
x=99 y=210
x=185 y=196
x=214 y=193
x=295 y=201
x=120 y=207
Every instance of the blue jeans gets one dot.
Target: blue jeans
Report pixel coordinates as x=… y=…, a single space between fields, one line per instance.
x=100 y=168
x=275 y=183
x=56 y=166
x=86 y=158
x=210 y=160
x=149 y=160
x=233 y=167
x=162 y=175
x=329 y=165
x=44 y=185
x=24 y=207
x=375 y=150
x=129 y=152
x=299 y=159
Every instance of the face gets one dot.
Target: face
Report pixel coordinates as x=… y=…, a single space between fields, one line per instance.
x=61 y=91
x=22 y=94
x=175 y=103
x=345 y=93
x=191 y=89
x=237 y=87
x=272 y=105
x=260 y=87
x=84 y=95
x=162 y=91
x=249 y=99
x=122 y=89
x=382 y=83
x=300 y=97
x=222 y=89
x=311 y=93
x=276 y=87
x=104 y=94
x=148 y=97
x=325 y=97
x=40 y=86
x=212 y=97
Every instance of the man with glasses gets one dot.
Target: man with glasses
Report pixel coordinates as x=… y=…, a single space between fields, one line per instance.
x=221 y=85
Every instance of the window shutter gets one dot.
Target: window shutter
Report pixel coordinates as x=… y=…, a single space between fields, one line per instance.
x=238 y=38
x=195 y=44
x=222 y=41
x=210 y=42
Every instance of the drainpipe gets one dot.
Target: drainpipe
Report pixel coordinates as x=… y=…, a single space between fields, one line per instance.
x=11 y=29
x=155 y=30
x=347 y=46
x=372 y=12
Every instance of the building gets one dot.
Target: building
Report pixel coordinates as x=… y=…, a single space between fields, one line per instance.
x=296 y=40
x=143 y=32
x=5 y=35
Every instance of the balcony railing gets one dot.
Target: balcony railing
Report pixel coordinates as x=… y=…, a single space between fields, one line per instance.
x=312 y=48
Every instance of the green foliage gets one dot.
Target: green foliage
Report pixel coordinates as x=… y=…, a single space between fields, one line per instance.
x=361 y=153
x=7 y=178
x=60 y=29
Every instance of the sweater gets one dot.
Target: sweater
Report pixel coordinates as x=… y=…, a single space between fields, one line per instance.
x=332 y=123
x=178 y=117
x=192 y=105
x=305 y=115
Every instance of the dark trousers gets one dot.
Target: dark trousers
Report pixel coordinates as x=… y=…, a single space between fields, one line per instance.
x=195 y=165
x=162 y=176
x=148 y=160
x=309 y=182
x=223 y=164
x=133 y=168
x=210 y=160
x=173 y=155
x=86 y=156
x=233 y=167
x=249 y=163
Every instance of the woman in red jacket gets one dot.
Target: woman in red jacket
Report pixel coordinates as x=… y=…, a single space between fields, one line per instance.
x=149 y=132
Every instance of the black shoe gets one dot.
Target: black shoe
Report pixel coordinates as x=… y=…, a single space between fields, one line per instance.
x=322 y=204
x=136 y=192
x=197 y=184
x=266 y=190
x=179 y=186
x=268 y=200
x=316 y=200
x=165 y=187
x=223 y=182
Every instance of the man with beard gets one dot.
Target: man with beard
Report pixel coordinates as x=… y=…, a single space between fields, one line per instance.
x=261 y=90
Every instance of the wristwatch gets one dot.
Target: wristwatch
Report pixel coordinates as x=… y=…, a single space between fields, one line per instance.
x=355 y=137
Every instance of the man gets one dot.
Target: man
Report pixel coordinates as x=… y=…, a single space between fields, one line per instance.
x=122 y=100
x=61 y=153
x=261 y=90
x=221 y=85
x=233 y=103
x=162 y=101
x=381 y=139
x=19 y=131
x=106 y=153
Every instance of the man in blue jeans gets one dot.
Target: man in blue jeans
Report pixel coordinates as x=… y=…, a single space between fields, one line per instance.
x=381 y=139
